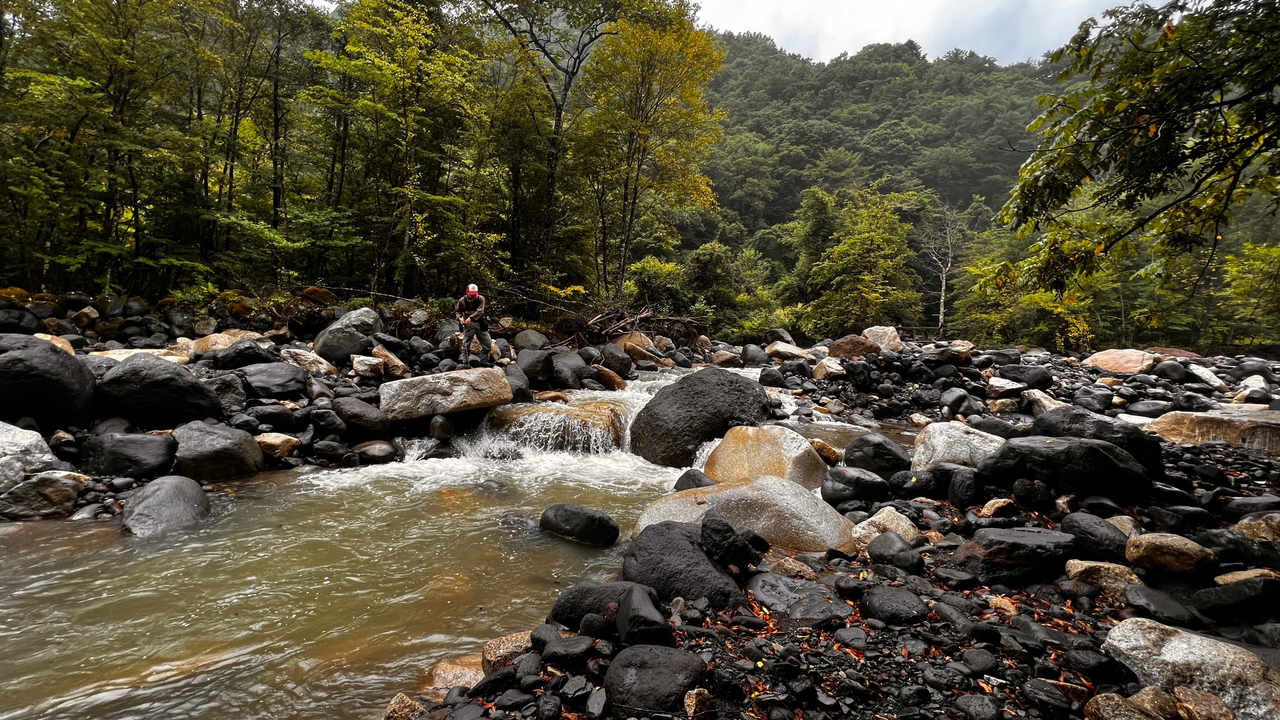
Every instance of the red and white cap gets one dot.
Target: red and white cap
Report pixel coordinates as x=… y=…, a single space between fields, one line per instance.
x=473 y=290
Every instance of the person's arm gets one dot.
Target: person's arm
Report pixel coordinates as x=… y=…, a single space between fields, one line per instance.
x=479 y=313
x=457 y=310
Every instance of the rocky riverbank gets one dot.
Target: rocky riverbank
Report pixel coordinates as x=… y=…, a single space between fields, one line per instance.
x=1039 y=552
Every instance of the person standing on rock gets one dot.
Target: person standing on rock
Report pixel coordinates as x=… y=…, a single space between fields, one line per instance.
x=470 y=313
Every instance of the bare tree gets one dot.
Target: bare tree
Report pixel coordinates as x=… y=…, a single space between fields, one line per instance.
x=944 y=237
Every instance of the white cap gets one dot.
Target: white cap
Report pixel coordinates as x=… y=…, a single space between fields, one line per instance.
x=472 y=288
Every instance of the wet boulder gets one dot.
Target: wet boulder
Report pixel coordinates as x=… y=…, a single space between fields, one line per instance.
x=209 y=453
x=877 y=453
x=692 y=478
x=747 y=453
x=361 y=419
x=24 y=451
x=842 y=484
x=1074 y=421
x=893 y=605
x=616 y=359
x=128 y=455
x=537 y=365
x=275 y=379
x=697 y=408
x=1096 y=538
x=654 y=678
x=347 y=336
x=41 y=381
x=50 y=494
x=668 y=558
x=1121 y=361
x=530 y=340
x=155 y=393
x=165 y=504
x=581 y=523
x=1068 y=465
x=1168 y=658
x=444 y=393
x=784 y=513
x=1011 y=555
x=953 y=442
x=242 y=353
x=588 y=597
x=18 y=320
x=519 y=384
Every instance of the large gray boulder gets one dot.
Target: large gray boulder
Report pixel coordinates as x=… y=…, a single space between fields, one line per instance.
x=41 y=381
x=275 y=379
x=697 y=408
x=208 y=453
x=128 y=455
x=165 y=504
x=24 y=449
x=1069 y=465
x=654 y=678
x=530 y=340
x=784 y=513
x=444 y=393
x=1167 y=658
x=953 y=442
x=347 y=336
x=1073 y=421
x=155 y=393
x=747 y=453
x=50 y=494
x=668 y=558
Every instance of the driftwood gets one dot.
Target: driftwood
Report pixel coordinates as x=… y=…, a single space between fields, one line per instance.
x=582 y=324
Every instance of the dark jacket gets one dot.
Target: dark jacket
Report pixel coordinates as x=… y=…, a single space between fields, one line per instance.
x=470 y=308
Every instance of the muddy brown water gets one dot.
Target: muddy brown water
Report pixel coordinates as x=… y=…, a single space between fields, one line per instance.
x=308 y=594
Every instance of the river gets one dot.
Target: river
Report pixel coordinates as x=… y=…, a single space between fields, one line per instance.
x=313 y=593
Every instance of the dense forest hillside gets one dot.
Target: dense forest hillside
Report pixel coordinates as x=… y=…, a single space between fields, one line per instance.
x=577 y=155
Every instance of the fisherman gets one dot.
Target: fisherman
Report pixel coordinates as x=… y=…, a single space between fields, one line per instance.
x=470 y=313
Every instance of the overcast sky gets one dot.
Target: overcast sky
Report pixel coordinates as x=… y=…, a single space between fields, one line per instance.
x=1008 y=30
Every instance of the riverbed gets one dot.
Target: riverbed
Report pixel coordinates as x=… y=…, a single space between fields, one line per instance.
x=315 y=593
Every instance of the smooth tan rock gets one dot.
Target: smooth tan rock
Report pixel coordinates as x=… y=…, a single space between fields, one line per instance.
x=793 y=568
x=853 y=346
x=1109 y=577
x=403 y=707
x=1157 y=702
x=641 y=341
x=367 y=366
x=1126 y=525
x=1264 y=530
x=786 y=351
x=747 y=453
x=122 y=355
x=1125 y=361
x=224 y=340
x=724 y=358
x=829 y=455
x=61 y=344
x=593 y=427
x=1167 y=552
x=1251 y=426
x=885 y=336
x=610 y=379
x=444 y=393
x=1197 y=705
x=998 y=507
x=392 y=366
x=1041 y=402
x=308 y=361
x=1114 y=707
x=828 y=368
x=887 y=520
x=697 y=702
x=499 y=652
x=953 y=442
x=998 y=388
x=1002 y=605
x=277 y=445
x=443 y=676
x=1003 y=406
x=1240 y=575
x=787 y=515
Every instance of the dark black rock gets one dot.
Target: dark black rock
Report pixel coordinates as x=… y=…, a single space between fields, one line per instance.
x=995 y=426
x=724 y=545
x=135 y=456
x=842 y=484
x=588 y=597
x=885 y=546
x=1035 y=377
x=208 y=453
x=772 y=377
x=362 y=419
x=571 y=653
x=639 y=622
x=1096 y=539
x=653 y=678
x=165 y=504
x=537 y=365
x=155 y=393
x=893 y=605
x=616 y=359
x=1157 y=605
x=347 y=336
x=1069 y=465
x=581 y=523
x=1239 y=601
x=695 y=409
x=978 y=707
x=877 y=453
x=997 y=555
x=275 y=379
x=41 y=381
x=521 y=391
x=242 y=353
x=667 y=557
x=18 y=320
x=693 y=478
x=1078 y=422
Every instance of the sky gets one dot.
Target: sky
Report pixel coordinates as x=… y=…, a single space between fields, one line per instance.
x=1008 y=30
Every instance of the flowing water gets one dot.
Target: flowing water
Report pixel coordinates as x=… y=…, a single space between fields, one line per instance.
x=308 y=594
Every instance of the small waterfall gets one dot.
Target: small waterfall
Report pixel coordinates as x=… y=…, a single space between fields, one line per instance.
x=551 y=431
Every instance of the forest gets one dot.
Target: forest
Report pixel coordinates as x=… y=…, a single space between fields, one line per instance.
x=620 y=155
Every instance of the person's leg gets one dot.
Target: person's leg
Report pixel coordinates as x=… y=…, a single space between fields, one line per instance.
x=468 y=332
x=486 y=345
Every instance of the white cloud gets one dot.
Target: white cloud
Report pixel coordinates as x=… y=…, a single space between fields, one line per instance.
x=1008 y=30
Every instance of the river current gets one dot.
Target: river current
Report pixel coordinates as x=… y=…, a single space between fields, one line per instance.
x=315 y=593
